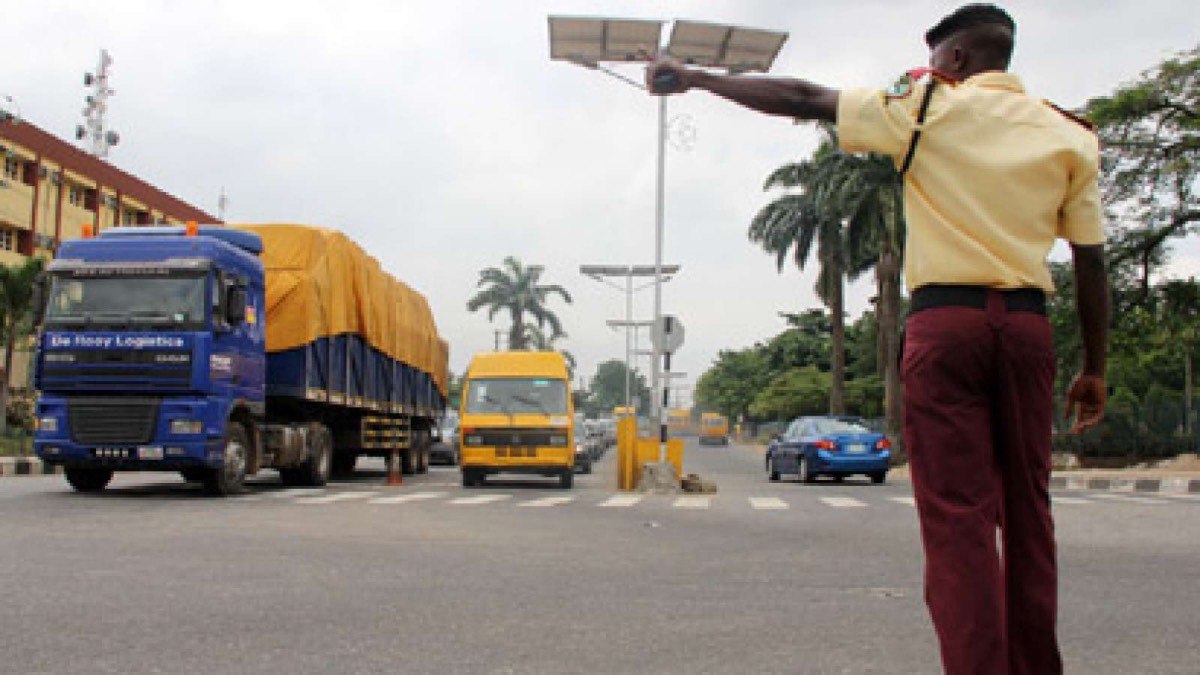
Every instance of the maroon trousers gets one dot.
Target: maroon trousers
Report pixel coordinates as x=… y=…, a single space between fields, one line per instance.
x=978 y=395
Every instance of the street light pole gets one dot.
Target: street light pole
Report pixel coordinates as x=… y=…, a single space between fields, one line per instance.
x=660 y=206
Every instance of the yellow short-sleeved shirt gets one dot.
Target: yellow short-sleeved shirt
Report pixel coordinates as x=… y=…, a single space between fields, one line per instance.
x=996 y=178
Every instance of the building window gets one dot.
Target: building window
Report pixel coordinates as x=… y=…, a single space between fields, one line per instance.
x=75 y=195
x=8 y=240
x=12 y=169
x=128 y=217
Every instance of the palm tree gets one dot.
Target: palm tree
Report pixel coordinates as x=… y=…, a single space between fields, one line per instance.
x=514 y=288
x=792 y=223
x=16 y=303
x=870 y=192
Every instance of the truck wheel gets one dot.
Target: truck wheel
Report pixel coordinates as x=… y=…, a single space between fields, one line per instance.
x=89 y=480
x=566 y=479
x=471 y=478
x=193 y=475
x=231 y=477
x=424 y=447
x=408 y=460
x=314 y=472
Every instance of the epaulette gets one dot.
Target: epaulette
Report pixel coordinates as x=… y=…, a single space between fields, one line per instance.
x=1086 y=124
x=903 y=87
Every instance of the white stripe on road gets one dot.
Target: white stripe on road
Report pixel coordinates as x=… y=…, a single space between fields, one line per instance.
x=336 y=497
x=692 y=503
x=1146 y=500
x=842 y=502
x=620 y=501
x=547 y=501
x=412 y=497
x=768 y=504
x=1069 y=500
x=907 y=501
x=481 y=499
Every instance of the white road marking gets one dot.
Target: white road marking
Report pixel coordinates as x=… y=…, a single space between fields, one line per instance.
x=547 y=501
x=411 y=497
x=1070 y=500
x=480 y=499
x=336 y=497
x=620 y=501
x=1146 y=500
x=907 y=501
x=768 y=504
x=842 y=502
x=697 y=503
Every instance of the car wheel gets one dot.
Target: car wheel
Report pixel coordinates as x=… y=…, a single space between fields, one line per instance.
x=89 y=480
x=806 y=471
x=772 y=474
x=879 y=477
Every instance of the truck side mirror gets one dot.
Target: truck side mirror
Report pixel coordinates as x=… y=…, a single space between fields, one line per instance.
x=235 y=306
x=39 y=298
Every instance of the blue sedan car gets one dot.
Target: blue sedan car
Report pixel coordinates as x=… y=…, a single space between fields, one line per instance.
x=829 y=446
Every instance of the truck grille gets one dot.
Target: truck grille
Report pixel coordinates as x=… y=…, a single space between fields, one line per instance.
x=116 y=369
x=119 y=421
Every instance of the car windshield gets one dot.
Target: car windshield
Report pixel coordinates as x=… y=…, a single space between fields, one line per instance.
x=825 y=426
x=513 y=395
x=170 y=302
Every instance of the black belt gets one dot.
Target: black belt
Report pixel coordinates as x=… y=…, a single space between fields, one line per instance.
x=942 y=295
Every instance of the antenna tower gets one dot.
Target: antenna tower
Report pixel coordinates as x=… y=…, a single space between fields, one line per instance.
x=99 y=139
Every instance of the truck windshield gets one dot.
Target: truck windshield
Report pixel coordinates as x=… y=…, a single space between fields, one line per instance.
x=127 y=302
x=517 y=395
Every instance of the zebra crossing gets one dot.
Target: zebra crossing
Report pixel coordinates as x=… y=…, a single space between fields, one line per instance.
x=457 y=498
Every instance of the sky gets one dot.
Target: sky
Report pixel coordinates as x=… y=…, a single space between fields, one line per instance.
x=442 y=138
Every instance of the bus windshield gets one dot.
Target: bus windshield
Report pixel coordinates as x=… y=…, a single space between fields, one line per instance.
x=517 y=395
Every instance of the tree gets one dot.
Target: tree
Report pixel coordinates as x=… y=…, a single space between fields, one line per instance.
x=732 y=383
x=514 y=288
x=1150 y=171
x=791 y=224
x=608 y=386
x=16 y=304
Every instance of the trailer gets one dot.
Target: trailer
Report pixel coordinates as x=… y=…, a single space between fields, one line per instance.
x=220 y=351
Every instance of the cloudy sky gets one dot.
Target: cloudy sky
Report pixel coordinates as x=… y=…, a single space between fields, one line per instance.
x=442 y=138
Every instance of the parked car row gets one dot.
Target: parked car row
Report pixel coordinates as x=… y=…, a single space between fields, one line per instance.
x=592 y=439
x=835 y=446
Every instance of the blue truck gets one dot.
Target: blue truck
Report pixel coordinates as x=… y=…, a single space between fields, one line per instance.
x=220 y=351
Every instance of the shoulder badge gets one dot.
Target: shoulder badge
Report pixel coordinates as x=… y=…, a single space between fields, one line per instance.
x=1086 y=124
x=903 y=87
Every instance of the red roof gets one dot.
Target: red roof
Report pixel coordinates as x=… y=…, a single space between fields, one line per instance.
x=53 y=149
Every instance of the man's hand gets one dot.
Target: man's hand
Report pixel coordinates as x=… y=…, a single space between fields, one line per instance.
x=667 y=76
x=1085 y=402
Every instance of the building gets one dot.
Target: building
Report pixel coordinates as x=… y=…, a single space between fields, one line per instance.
x=49 y=189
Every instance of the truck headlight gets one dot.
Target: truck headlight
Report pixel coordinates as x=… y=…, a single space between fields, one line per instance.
x=47 y=424
x=187 y=427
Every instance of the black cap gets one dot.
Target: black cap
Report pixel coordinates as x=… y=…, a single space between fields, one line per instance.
x=969 y=16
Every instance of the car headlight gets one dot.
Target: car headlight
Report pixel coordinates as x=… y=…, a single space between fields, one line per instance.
x=187 y=427
x=47 y=424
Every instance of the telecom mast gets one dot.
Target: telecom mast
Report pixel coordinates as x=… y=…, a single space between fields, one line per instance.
x=93 y=129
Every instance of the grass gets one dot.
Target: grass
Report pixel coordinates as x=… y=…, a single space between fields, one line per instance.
x=16 y=443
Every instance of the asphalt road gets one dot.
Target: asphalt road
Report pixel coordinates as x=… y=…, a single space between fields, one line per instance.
x=151 y=576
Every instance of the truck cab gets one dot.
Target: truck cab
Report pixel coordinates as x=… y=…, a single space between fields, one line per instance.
x=517 y=417
x=151 y=355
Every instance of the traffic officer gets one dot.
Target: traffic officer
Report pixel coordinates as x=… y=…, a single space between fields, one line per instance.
x=992 y=177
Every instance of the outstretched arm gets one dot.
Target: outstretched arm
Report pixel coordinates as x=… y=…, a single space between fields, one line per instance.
x=786 y=97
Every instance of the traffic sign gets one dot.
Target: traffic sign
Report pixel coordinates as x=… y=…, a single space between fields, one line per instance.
x=667 y=334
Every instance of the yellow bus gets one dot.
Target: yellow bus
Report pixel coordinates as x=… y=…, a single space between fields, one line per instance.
x=622 y=411
x=679 y=421
x=517 y=417
x=714 y=428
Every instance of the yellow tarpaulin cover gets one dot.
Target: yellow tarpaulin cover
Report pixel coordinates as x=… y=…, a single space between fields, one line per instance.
x=321 y=284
